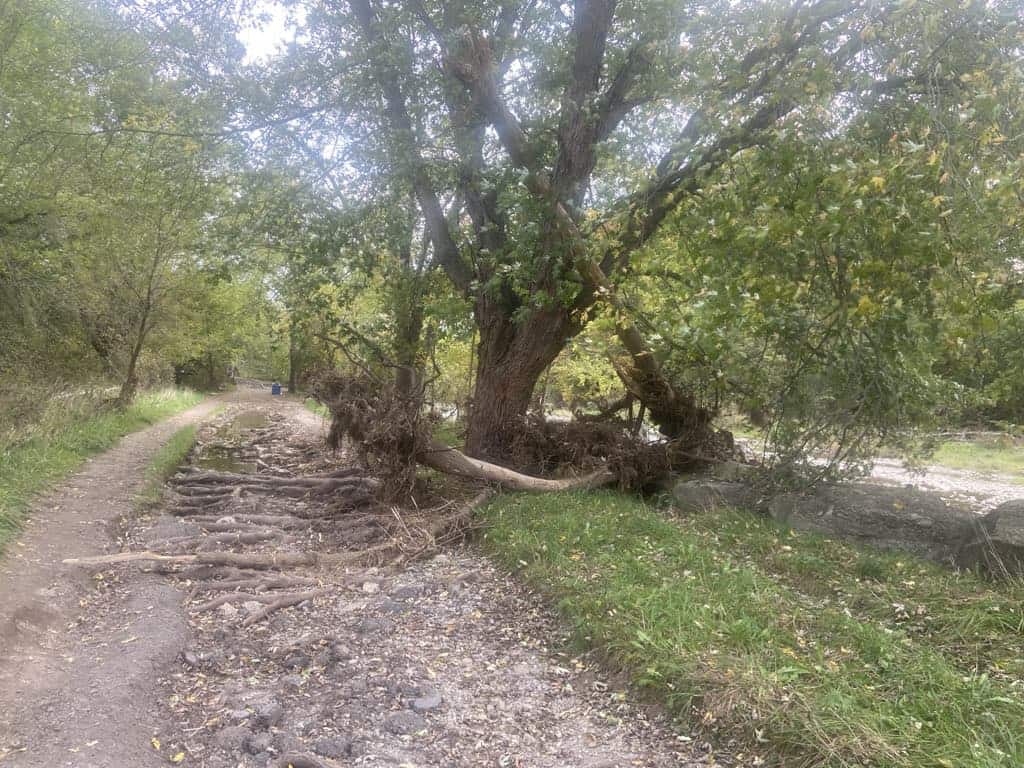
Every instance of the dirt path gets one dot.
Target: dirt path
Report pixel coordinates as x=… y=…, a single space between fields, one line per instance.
x=62 y=648
x=446 y=662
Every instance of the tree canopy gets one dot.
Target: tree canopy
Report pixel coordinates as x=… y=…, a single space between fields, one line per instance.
x=804 y=212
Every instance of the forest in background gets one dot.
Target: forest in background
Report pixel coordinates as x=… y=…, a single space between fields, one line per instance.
x=804 y=215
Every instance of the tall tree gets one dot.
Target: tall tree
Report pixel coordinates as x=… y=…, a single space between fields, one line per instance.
x=546 y=146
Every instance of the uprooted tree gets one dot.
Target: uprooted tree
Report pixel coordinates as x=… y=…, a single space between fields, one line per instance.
x=546 y=147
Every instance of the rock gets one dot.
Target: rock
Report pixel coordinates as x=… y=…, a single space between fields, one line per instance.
x=733 y=472
x=404 y=723
x=369 y=626
x=357 y=686
x=693 y=496
x=257 y=743
x=333 y=746
x=895 y=519
x=340 y=652
x=391 y=606
x=407 y=593
x=405 y=689
x=252 y=607
x=371 y=587
x=238 y=714
x=231 y=738
x=292 y=682
x=189 y=659
x=998 y=545
x=267 y=713
x=296 y=661
x=427 y=702
x=228 y=610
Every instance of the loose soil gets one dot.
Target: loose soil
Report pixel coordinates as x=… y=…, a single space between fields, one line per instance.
x=442 y=661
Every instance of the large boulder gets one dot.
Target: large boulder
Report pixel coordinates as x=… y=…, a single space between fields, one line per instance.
x=706 y=494
x=999 y=545
x=902 y=519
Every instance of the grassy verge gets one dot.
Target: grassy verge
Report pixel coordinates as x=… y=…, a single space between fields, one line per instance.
x=807 y=652
x=163 y=464
x=34 y=464
x=990 y=455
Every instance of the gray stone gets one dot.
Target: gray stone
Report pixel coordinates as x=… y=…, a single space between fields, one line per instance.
x=733 y=472
x=391 y=606
x=369 y=626
x=231 y=738
x=407 y=593
x=268 y=713
x=340 y=652
x=333 y=746
x=427 y=702
x=257 y=743
x=998 y=546
x=404 y=723
x=894 y=519
x=296 y=661
x=694 y=496
x=292 y=682
x=238 y=714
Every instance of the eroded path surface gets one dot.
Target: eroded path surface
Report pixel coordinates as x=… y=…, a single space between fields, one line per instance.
x=77 y=653
x=446 y=661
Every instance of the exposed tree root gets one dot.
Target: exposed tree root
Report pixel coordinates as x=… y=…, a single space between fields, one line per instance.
x=299 y=760
x=236 y=559
x=256 y=584
x=213 y=523
x=284 y=602
x=259 y=597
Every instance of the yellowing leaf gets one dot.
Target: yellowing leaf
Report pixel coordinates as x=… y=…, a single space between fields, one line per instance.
x=878 y=182
x=156 y=743
x=178 y=757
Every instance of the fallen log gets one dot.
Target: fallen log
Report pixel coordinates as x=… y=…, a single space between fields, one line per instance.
x=446 y=459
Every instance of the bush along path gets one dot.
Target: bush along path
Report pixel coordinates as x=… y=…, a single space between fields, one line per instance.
x=300 y=643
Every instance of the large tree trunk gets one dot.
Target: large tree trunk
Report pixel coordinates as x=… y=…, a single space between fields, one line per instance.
x=130 y=385
x=510 y=359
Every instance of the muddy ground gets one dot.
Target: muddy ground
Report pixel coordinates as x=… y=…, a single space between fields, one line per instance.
x=444 y=661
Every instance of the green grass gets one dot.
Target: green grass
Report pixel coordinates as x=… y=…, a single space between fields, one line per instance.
x=163 y=464
x=1000 y=455
x=31 y=465
x=316 y=407
x=450 y=433
x=807 y=652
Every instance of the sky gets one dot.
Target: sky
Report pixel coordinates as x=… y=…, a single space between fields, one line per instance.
x=262 y=39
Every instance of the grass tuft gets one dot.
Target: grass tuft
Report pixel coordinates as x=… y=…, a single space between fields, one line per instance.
x=163 y=465
x=802 y=651
x=55 y=446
